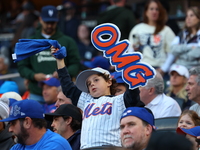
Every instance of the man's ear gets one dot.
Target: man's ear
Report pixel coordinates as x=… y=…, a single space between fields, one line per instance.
x=27 y=122
x=151 y=91
x=68 y=121
x=149 y=130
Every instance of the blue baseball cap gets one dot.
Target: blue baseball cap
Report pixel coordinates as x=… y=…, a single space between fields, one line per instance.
x=141 y=112
x=98 y=61
x=51 y=82
x=25 y=108
x=195 y=131
x=9 y=86
x=49 y=13
x=117 y=76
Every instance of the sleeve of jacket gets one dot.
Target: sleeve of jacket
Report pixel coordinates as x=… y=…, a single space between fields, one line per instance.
x=132 y=98
x=72 y=60
x=193 y=53
x=176 y=50
x=68 y=87
x=24 y=69
x=169 y=36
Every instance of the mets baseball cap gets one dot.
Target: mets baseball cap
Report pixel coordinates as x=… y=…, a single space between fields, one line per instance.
x=49 y=13
x=25 y=108
x=141 y=112
x=98 y=61
x=118 y=77
x=83 y=76
x=195 y=131
x=51 y=82
x=182 y=70
x=65 y=110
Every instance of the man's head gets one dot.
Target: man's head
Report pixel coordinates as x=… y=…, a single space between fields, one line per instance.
x=178 y=75
x=120 y=86
x=153 y=88
x=49 y=19
x=66 y=118
x=137 y=124
x=24 y=116
x=193 y=85
x=61 y=98
x=50 y=89
x=97 y=82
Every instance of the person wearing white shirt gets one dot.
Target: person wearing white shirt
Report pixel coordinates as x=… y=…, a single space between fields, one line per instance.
x=152 y=95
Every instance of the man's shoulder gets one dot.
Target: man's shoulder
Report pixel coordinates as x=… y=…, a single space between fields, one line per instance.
x=193 y=107
x=55 y=140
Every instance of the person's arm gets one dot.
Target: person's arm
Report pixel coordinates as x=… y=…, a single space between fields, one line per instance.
x=132 y=98
x=72 y=60
x=68 y=87
x=25 y=71
x=192 y=54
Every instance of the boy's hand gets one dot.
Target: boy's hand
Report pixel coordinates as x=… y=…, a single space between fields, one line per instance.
x=53 y=50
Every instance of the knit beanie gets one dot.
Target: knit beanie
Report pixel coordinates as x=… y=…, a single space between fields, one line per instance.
x=4 y=108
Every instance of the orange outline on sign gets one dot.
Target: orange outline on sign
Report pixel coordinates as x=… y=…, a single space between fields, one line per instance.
x=134 y=72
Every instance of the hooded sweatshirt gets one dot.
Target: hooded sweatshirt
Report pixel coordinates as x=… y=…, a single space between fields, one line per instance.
x=43 y=62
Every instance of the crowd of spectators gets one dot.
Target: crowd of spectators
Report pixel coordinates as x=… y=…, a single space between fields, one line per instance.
x=78 y=100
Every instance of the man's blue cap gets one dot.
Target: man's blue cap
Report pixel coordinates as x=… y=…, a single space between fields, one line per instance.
x=117 y=76
x=25 y=108
x=140 y=112
x=51 y=82
x=9 y=86
x=49 y=13
x=195 y=131
x=98 y=61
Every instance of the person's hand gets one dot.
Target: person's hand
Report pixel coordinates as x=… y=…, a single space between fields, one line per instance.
x=40 y=77
x=198 y=139
x=53 y=50
x=55 y=74
x=136 y=47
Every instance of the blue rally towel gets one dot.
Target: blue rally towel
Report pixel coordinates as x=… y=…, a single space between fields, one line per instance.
x=28 y=47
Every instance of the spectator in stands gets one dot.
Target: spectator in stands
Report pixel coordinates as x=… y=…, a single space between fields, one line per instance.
x=28 y=125
x=14 y=10
x=153 y=97
x=191 y=134
x=185 y=48
x=4 y=65
x=86 y=49
x=98 y=61
x=50 y=92
x=61 y=98
x=67 y=120
x=121 y=85
x=12 y=97
x=9 y=86
x=168 y=141
x=119 y=15
x=6 y=140
x=136 y=125
x=178 y=78
x=152 y=37
x=171 y=22
x=188 y=119
x=69 y=22
x=193 y=88
x=37 y=67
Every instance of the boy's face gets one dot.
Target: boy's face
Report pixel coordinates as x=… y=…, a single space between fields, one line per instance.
x=98 y=86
